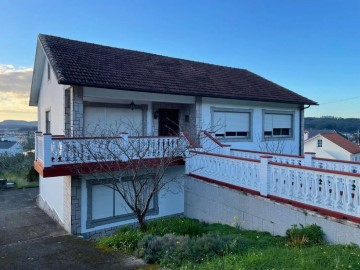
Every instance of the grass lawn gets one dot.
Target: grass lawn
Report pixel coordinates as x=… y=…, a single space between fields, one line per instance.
x=182 y=243
x=19 y=178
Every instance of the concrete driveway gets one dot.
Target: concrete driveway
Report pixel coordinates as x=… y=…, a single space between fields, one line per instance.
x=29 y=239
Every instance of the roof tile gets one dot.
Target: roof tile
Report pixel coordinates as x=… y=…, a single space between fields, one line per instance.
x=87 y=64
x=342 y=142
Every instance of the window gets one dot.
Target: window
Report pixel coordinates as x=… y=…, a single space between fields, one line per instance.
x=48 y=72
x=319 y=143
x=231 y=123
x=278 y=125
x=47 y=122
x=105 y=205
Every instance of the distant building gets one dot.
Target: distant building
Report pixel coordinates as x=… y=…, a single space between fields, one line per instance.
x=10 y=147
x=331 y=145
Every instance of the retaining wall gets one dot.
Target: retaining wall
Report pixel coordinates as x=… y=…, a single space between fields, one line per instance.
x=217 y=204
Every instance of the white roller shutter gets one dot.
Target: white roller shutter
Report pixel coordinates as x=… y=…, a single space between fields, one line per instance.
x=98 y=119
x=238 y=122
x=102 y=202
x=272 y=121
x=219 y=122
x=282 y=121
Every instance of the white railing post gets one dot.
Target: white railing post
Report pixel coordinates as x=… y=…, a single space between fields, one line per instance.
x=264 y=175
x=308 y=160
x=47 y=155
x=125 y=146
x=226 y=150
x=37 y=134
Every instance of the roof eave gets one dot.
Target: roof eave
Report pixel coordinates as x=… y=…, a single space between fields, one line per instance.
x=37 y=74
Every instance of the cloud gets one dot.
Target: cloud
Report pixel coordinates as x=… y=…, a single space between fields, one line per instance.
x=15 y=83
x=14 y=79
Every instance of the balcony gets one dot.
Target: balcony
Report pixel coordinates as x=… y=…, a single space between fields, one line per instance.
x=58 y=155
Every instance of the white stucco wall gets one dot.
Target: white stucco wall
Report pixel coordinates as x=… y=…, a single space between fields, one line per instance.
x=204 y=105
x=52 y=190
x=105 y=96
x=328 y=150
x=170 y=201
x=291 y=145
x=51 y=98
x=216 y=204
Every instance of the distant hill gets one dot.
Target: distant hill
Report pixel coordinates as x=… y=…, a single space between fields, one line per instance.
x=344 y=125
x=18 y=125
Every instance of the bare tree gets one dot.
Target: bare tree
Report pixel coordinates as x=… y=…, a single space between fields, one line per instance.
x=134 y=167
x=274 y=145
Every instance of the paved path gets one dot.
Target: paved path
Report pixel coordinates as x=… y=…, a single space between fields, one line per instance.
x=29 y=239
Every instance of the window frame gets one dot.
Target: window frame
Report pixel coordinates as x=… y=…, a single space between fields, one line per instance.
x=290 y=131
x=92 y=223
x=48 y=72
x=249 y=136
x=319 y=143
x=48 y=121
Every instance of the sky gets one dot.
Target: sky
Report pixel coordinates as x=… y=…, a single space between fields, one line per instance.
x=311 y=47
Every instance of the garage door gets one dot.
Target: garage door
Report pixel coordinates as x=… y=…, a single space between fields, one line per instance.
x=103 y=120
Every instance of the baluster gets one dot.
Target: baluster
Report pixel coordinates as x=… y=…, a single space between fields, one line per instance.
x=349 y=195
x=339 y=193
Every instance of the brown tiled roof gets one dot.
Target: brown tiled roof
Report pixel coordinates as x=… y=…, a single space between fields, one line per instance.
x=87 y=64
x=342 y=142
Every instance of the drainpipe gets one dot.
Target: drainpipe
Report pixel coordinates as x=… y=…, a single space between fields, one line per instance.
x=301 y=131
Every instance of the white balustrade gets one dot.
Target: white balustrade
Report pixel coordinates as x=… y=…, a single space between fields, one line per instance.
x=57 y=150
x=279 y=158
x=231 y=170
x=334 y=191
x=336 y=165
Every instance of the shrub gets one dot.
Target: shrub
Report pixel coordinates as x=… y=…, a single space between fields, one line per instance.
x=177 y=226
x=169 y=249
x=32 y=175
x=174 y=250
x=125 y=239
x=308 y=235
x=212 y=244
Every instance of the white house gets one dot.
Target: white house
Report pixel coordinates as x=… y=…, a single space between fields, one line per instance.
x=332 y=146
x=10 y=147
x=81 y=88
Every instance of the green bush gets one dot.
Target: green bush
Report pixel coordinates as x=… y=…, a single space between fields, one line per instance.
x=125 y=239
x=169 y=249
x=177 y=226
x=174 y=250
x=308 y=235
x=32 y=175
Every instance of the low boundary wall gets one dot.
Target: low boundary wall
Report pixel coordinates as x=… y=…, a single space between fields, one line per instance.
x=218 y=204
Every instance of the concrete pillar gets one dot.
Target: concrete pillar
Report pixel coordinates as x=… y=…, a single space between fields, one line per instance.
x=226 y=150
x=37 y=134
x=264 y=175
x=308 y=157
x=47 y=140
x=125 y=146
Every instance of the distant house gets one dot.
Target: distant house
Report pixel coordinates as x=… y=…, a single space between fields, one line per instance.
x=332 y=145
x=10 y=147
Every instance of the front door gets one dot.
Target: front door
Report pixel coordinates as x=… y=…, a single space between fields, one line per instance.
x=168 y=122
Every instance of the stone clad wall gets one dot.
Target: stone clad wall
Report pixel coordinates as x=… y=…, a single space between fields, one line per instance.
x=76 y=205
x=217 y=204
